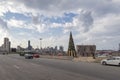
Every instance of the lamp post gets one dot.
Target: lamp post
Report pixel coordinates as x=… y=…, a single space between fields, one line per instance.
x=40 y=42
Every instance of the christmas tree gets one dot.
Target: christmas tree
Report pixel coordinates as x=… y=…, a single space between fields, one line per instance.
x=71 y=47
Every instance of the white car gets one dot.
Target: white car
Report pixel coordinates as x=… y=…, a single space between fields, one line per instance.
x=111 y=61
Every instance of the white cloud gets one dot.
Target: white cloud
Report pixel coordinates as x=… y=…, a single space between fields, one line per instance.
x=107 y=26
x=3 y=27
x=4 y=31
x=57 y=8
x=14 y=23
x=56 y=25
x=41 y=28
x=104 y=33
x=3 y=24
x=82 y=22
x=96 y=21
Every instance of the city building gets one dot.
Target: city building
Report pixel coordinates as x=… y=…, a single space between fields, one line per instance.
x=19 y=49
x=56 y=48
x=107 y=53
x=61 y=48
x=29 y=45
x=52 y=51
x=28 y=48
x=6 y=46
x=86 y=50
x=13 y=49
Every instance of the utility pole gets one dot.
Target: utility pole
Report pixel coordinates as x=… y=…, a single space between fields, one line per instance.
x=40 y=42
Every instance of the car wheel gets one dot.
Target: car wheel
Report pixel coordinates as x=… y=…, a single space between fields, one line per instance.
x=104 y=63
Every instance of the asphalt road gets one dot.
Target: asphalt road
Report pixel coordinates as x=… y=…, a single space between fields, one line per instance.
x=15 y=67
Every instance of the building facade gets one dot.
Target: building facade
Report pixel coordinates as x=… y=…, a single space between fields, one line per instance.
x=6 y=46
x=86 y=50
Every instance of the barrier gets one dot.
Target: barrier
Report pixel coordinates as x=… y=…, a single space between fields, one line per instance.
x=57 y=57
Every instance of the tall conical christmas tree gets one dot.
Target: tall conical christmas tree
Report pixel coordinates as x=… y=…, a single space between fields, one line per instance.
x=71 y=47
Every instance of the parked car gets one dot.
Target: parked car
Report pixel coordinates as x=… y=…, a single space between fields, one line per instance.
x=36 y=55
x=29 y=55
x=111 y=61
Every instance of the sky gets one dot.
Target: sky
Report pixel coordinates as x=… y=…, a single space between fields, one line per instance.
x=92 y=22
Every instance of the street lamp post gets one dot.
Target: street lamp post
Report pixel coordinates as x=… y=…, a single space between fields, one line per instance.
x=40 y=42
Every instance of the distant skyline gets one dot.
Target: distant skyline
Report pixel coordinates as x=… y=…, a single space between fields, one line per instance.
x=91 y=22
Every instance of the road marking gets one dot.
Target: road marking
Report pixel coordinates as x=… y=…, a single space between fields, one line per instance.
x=17 y=67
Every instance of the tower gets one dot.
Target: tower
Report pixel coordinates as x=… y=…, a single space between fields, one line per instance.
x=28 y=43
x=61 y=48
x=7 y=45
x=71 y=47
x=29 y=46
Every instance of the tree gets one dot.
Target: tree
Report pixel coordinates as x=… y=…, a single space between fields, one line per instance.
x=71 y=47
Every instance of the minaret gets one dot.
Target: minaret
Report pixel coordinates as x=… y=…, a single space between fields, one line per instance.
x=71 y=47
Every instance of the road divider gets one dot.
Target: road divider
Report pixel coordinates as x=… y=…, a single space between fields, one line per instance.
x=57 y=57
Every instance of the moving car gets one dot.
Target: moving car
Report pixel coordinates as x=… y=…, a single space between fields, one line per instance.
x=29 y=55
x=36 y=55
x=111 y=61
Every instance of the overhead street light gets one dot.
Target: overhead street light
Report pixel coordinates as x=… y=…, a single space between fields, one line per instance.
x=40 y=42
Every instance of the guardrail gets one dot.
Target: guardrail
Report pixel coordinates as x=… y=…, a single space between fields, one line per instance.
x=57 y=57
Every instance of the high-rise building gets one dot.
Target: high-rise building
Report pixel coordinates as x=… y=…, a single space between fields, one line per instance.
x=61 y=48
x=6 y=45
x=55 y=47
x=29 y=46
x=71 y=47
x=28 y=43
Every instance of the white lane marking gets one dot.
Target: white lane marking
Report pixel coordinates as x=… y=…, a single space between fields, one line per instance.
x=17 y=67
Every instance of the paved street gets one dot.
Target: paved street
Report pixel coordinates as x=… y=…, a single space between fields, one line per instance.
x=15 y=67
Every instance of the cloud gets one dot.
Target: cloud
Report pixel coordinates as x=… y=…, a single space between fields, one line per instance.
x=95 y=21
x=104 y=33
x=82 y=22
x=55 y=7
x=107 y=26
x=4 y=31
x=36 y=19
x=14 y=23
x=3 y=25
x=87 y=20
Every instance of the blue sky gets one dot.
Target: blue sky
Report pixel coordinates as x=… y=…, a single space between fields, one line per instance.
x=91 y=22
